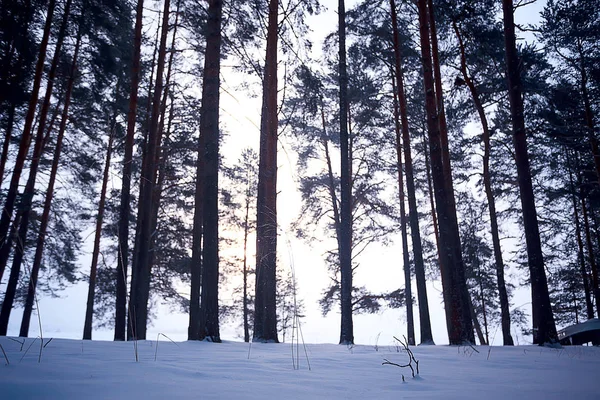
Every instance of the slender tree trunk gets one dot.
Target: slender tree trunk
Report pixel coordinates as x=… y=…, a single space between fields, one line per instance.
x=347 y=329
x=161 y=154
x=24 y=211
x=458 y=316
x=544 y=329
x=125 y=207
x=580 y=252
x=144 y=147
x=439 y=96
x=424 y=318
x=89 y=311
x=483 y=309
x=141 y=284
x=11 y=196
x=591 y=254
x=41 y=239
x=476 y=323
x=447 y=170
x=196 y=262
x=487 y=182
x=265 y=309
x=410 y=324
x=245 y=269
x=331 y=180
x=160 y=160
x=436 y=232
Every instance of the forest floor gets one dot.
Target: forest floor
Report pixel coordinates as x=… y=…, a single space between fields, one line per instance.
x=75 y=369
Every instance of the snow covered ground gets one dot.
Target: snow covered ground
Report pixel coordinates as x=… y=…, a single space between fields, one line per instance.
x=73 y=369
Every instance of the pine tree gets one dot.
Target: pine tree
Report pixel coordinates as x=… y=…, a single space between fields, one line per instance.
x=9 y=202
x=125 y=206
x=544 y=329
x=458 y=317
x=265 y=312
x=209 y=130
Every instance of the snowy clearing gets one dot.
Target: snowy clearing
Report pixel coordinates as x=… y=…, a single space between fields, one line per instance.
x=72 y=369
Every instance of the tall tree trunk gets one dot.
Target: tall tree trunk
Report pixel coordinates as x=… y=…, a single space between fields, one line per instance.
x=245 y=269
x=458 y=316
x=265 y=309
x=89 y=311
x=144 y=147
x=424 y=318
x=487 y=182
x=140 y=287
x=11 y=196
x=580 y=252
x=24 y=211
x=125 y=207
x=410 y=324
x=447 y=170
x=347 y=328
x=39 y=250
x=439 y=96
x=196 y=261
x=209 y=130
x=544 y=329
x=161 y=154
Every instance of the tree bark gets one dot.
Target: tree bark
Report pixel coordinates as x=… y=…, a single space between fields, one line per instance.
x=580 y=252
x=424 y=318
x=590 y=248
x=24 y=211
x=37 y=260
x=347 y=328
x=11 y=196
x=265 y=309
x=410 y=324
x=458 y=316
x=487 y=182
x=245 y=270
x=544 y=329
x=209 y=129
x=89 y=311
x=476 y=323
x=144 y=147
x=125 y=207
x=140 y=287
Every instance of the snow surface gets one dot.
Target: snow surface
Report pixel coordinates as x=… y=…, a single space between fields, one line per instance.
x=74 y=369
